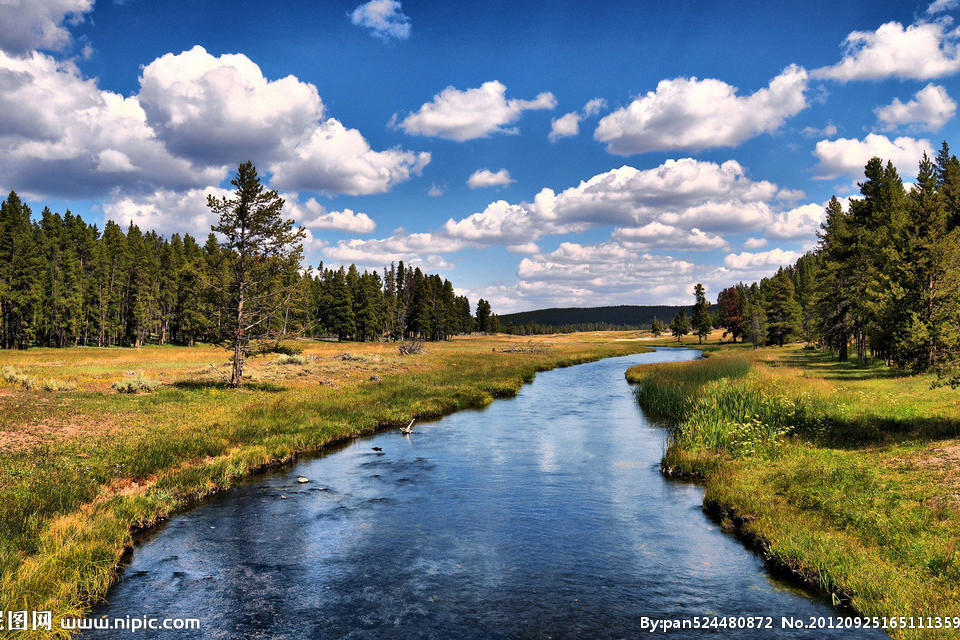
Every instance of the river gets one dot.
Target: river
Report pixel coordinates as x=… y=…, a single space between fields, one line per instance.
x=541 y=516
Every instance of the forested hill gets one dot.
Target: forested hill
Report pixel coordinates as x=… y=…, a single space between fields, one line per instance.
x=622 y=316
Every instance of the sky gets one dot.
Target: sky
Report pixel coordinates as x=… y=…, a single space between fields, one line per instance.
x=537 y=154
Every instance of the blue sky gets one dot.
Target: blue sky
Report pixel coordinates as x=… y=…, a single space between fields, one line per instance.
x=536 y=153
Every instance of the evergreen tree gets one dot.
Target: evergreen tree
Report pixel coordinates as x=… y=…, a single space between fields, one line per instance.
x=265 y=244
x=701 y=322
x=783 y=312
x=656 y=327
x=680 y=325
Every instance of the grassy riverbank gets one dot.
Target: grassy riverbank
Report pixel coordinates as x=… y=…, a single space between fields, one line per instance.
x=82 y=466
x=847 y=476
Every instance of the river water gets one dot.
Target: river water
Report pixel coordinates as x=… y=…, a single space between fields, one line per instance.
x=541 y=516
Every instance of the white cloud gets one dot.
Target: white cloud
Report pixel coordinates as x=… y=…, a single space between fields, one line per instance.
x=659 y=235
x=829 y=130
x=918 y=52
x=527 y=248
x=942 y=5
x=336 y=159
x=593 y=107
x=166 y=212
x=755 y=243
x=417 y=249
x=435 y=190
x=688 y=113
x=607 y=273
x=487 y=178
x=313 y=215
x=763 y=261
x=681 y=194
x=846 y=156
x=61 y=135
x=473 y=113
x=568 y=125
x=565 y=126
x=802 y=222
x=223 y=110
x=930 y=109
x=384 y=18
x=38 y=24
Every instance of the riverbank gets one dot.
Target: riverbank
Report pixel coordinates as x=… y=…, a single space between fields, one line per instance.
x=847 y=476
x=83 y=467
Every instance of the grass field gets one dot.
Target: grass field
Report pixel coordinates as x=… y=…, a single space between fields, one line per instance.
x=82 y=466
x=847 y=476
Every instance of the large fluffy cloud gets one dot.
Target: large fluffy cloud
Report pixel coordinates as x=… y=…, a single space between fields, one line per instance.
x=313 y=215
x=195 y=116
x=473 y=113
x=38 y=24
x=929 y=110
x=166 y=211
x=384 y=18
x=339 y=160
x=688 y=113
x=223 y=110
x=846 y=156
x=682 y=195
x=61 y=135
x=920 y=51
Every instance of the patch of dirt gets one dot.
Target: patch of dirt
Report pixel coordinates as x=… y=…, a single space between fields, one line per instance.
x=30 y=436
x=942 y=456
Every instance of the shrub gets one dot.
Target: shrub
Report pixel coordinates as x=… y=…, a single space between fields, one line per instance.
x=281 y=349
x=408 y=348
x=291 y=359
x=52 y=384
x=13 y=376
x=136 y=384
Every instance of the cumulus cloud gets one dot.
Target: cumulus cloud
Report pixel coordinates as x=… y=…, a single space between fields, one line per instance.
x=679 y=194
x=417 y=249
x=920 y=51
x=473 y=113
x=435 y=190
x=166 y=211
x=755 y=243
x=38 y=24
x=196 y=115
x=688 y=113
x=223 y=109
x=384 y=18
x=336 y=159
x=605 y=273
x=766 y=261
x=487 y=178
x=568 y=125
x=846 y=156
x=60 y=135
x=565 y=126
x=313 y=215
x=929 y=110
x=663 y=236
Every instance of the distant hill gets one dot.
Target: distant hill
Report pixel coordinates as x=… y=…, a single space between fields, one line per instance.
x=626 y=315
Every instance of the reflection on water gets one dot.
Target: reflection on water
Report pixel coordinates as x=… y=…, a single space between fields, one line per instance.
x=542 y=516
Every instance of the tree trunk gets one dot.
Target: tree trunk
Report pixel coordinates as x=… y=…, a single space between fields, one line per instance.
x=237 y=372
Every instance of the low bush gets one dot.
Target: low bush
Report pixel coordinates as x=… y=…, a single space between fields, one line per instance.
x=136 y=384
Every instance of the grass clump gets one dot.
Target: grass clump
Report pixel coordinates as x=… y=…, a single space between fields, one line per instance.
x=135 y=384
x=54 y=385
x=291 y=359
x=13 y=376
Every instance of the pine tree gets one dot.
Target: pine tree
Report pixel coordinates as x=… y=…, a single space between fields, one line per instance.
x=265 y=245
x=680 y=325
x=656 y=327
x=701 y=321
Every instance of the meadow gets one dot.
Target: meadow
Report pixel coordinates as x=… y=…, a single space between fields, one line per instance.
x=844 y=476
x=98 y=444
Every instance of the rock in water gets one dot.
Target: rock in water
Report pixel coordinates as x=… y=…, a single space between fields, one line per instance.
x=303 y=480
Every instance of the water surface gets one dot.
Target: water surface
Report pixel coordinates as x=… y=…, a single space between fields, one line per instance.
x=542 y=516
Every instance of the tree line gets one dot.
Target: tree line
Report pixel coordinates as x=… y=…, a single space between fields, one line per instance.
x=64 y=282
x=883 y=282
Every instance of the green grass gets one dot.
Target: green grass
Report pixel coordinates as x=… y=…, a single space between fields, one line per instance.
x=81 y=472
x=848 y=476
